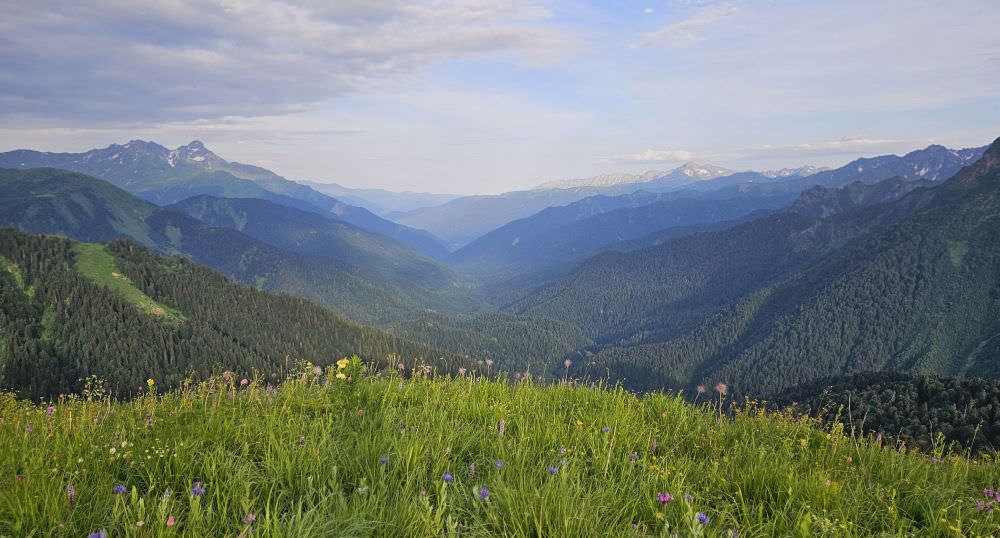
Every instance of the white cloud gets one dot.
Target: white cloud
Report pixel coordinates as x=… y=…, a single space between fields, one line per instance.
x=150 y=60
x=694 y=28
x=649 y=156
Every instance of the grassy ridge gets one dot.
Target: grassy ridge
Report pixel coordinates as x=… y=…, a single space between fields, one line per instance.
x=369 y=457
x=96 y=263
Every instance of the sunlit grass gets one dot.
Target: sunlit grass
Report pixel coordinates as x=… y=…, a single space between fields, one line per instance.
x=322 y=456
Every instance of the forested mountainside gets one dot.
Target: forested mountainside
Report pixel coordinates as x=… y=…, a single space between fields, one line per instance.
x=54 y=201
x=165 y=176
x=554 y=241
x=363 y=252
x=369 y=278
x=843 y=282
x=120 y=312
x=925 y=411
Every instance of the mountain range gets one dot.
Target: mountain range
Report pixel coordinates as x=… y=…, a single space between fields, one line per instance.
x=761 y=280
x=898 y=275
x=164 y=176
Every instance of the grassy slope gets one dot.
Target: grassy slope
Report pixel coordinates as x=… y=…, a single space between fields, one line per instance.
x=305 y=461
x=96 y=263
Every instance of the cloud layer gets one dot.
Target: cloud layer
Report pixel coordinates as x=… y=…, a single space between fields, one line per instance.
x=149 y=60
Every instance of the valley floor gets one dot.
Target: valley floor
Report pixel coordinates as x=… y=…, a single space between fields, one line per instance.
x=378 y=455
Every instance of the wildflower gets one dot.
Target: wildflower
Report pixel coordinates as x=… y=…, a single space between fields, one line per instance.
x=606 y=429
x=988 y=493
x=499 y=464
x=197 y=489
x=562 y=450
x=149 y=421
x=701 y=518
x=50 y=410
x=150 y=383
x=383 y=460
x=249 y=518
x=447 y=477
x=701 y=389
x=983 y=506
x=553 y=469
x=98 y=534
x=138 y=523
x=343 y=363
x=28 y=428
x=489 y=362
x=721 y=388
x=171 y=521
x=341 y=376
x=244 y=382
x=119 y=489
x=634 y=456
x=70 y=492
x=484 y=494
x=567 y=363
x=688 y=498
x=401 y=366
x=664 y=498
x=461 y=371
x=935 y=459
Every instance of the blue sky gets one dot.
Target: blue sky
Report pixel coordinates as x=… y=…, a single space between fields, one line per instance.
x=478 y=96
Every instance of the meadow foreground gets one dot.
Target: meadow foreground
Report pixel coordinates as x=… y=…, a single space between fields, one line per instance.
x=383 y=456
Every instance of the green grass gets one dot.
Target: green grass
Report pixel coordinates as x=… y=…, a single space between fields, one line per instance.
x=96 y=263
x=304 y=458
x=15 y=273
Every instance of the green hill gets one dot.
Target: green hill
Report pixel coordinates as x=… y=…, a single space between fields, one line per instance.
x=893 y=276
x=383 y=456
x=72 y=310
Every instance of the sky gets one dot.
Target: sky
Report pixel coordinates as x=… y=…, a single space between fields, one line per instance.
x=486 y=96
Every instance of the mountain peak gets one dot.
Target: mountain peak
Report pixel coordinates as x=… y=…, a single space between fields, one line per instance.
x=703 y=171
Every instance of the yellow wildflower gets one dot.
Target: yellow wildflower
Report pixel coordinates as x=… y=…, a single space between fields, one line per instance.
x=343 y=363
x=341 y=375
x=150 y=382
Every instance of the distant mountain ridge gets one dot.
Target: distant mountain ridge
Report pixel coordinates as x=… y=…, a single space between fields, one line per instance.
x=685 y=172
x=463 y=220
x=164 y=176
x=899 y=275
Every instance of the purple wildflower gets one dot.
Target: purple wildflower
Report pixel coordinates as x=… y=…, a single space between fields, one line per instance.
x=701 y=518
x=98 y=534
x=149 y=421
x=688 y=498
x=249 y=518
x=383 y=460
x=28 y=428
x=664 y=498
x=988 y=492
x=484 y=494
x=553 y=470
x=50 y=410
x=562 y=450
x=197 y=489
x=935 y=459
x=119 y=489
x=447 y=477
x=606 y=429
x=634 y=456
x=499 y=464
x=983 y=507
x=70 y=492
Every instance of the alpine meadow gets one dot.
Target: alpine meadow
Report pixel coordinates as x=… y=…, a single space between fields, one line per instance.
x=513 y=268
